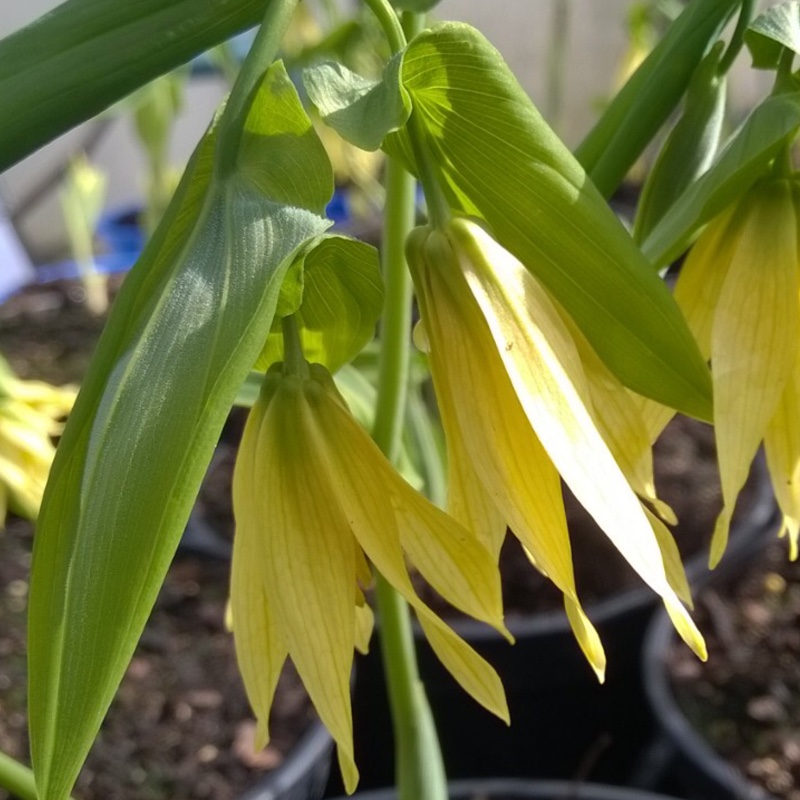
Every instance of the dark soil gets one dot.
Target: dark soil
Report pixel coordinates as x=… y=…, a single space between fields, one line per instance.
x=746 y=698
x=180 y=726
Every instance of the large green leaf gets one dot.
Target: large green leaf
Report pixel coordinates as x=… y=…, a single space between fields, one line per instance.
x=86 y=54
x=645 y=102
x=500 y=161
x=743 y=160
x=777 y=28
x=187 y=326
x=361 y=111
x=336 y=293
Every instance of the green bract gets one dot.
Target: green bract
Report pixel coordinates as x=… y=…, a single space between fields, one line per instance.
x=336 y=294
x=498 y=160
x=359 y=110
x=185 y=330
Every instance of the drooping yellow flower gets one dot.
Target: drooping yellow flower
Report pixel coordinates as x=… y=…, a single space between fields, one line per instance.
x=515 y=403
x=314 y=498
x=739 y=292
x=30 y=413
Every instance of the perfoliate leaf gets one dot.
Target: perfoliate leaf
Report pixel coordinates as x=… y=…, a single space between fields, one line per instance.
x=183 y=333
x=769 y=33
x=743 y=160
x=335 y=291
x=500 y=161
x=645 y=102
x=361 y=111
x=84 y=55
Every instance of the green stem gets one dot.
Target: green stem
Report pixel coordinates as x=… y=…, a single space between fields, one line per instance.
x=294 y=361
x=396 y=322
x=389 y=21
x=262 y=53
x=737 y=39
x=438 y=208
x=419 y=769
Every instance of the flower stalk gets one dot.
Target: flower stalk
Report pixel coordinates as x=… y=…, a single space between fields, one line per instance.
x=419 y=767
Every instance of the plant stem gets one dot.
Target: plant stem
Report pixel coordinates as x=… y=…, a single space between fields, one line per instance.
x=390 y=23
x=294 y=362
x=737 y=38
x=396 y=322
x=262 y=53
x=419 y=769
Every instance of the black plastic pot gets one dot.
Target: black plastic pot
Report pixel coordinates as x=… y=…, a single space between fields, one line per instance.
x=563 y=723
x=680 y=757
x=304 y=773
x=509 y=789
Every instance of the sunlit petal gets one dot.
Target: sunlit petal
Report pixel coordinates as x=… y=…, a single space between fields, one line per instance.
x=543 y=365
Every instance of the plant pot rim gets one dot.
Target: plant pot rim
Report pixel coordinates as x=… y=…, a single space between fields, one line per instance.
x=748 y=528
x=527 y=790
x=313 y=749
x=691 y=745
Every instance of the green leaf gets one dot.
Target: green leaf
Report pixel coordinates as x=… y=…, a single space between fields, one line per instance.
x=645 y=102
x=690 y=147
x=769 y=33
x=336 y=292
x=501 y=162
x=361 y=111
x=744 y=159
x=84 y=55
x=183 y=334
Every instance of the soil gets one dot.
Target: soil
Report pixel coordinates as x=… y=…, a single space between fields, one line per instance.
x=746 y=698
x=180 y=726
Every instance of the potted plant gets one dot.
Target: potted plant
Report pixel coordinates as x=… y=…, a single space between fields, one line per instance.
x=555 y=349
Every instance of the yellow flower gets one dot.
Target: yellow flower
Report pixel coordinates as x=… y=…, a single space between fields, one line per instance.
x=29 y=416
x=313 y=499
x=515 y=403
x=739 y=292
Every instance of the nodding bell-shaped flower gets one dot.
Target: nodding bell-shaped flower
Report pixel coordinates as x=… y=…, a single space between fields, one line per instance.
x=314 y=499
x=738 y=290
x=516 y=405
x=30 y=413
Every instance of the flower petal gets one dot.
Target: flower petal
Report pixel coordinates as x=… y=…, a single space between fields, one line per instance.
x=544 y=367
x=754 y=338
x=494 y=432
x=367 y=504
x=618 y=418
x=703 y=275
x=474 y=674
x=782 y=446
x=309 y=561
